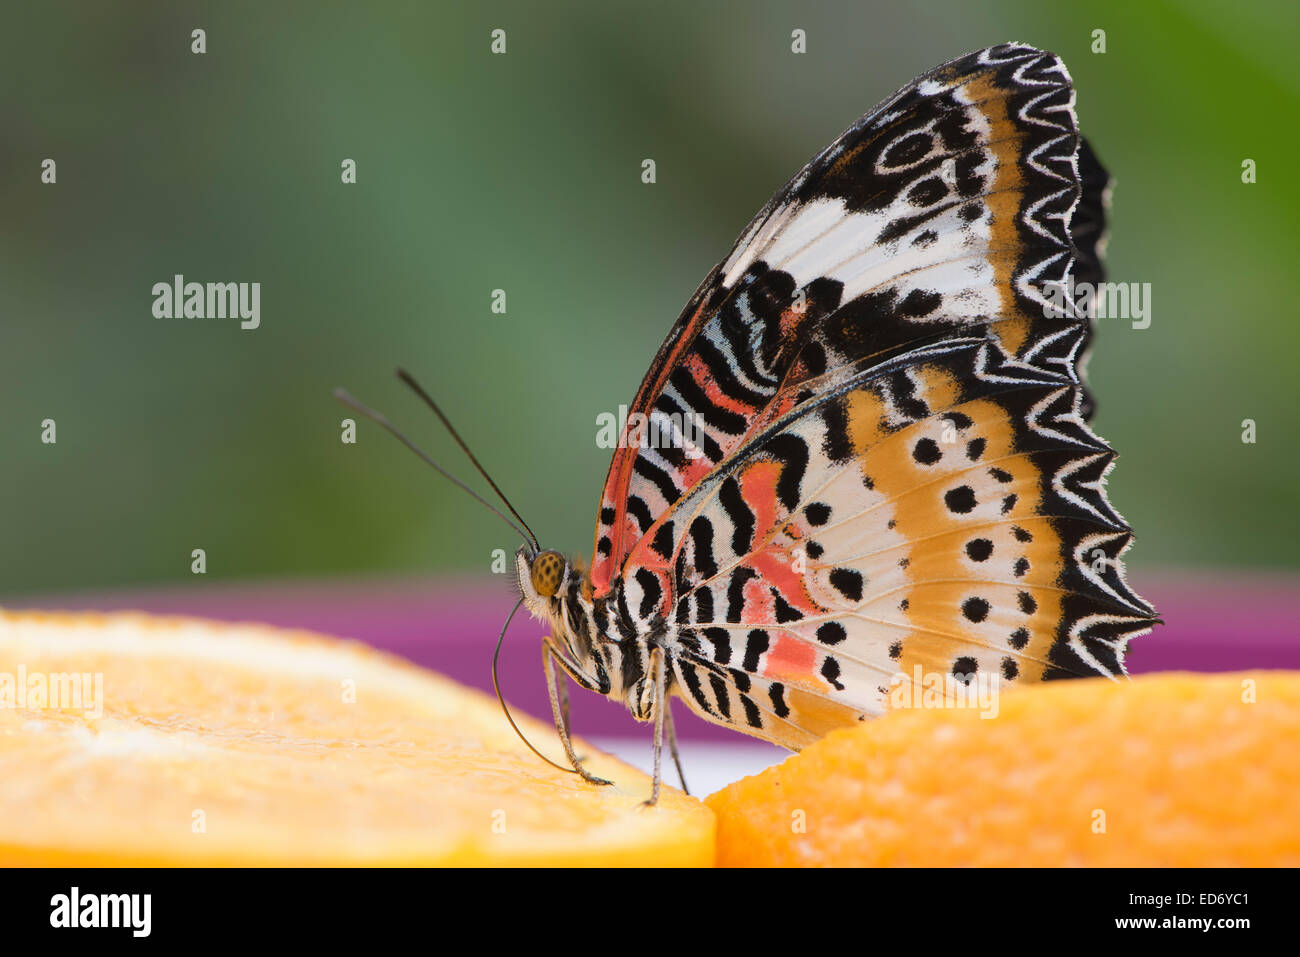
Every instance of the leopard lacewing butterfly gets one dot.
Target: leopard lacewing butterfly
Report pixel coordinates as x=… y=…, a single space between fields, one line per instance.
x=894 y=472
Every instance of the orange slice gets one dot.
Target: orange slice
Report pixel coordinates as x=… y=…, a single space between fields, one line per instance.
x=1165 y=770
x=164 y=741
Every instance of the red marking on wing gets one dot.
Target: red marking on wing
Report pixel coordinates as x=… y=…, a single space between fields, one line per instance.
x=696 y=469
x=776 y=569
x=789 y=658
x=758 y=601
x=758 y=488
x=700 y=373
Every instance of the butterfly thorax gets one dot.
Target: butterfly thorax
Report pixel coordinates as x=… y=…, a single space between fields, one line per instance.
x=595 y=641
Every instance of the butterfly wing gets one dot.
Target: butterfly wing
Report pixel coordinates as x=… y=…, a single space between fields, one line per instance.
x=894 y=469
x=942 y=212
x=942 y=510
x=1088 y=229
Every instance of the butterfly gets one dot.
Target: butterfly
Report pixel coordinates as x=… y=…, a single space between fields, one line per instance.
x=890 y=470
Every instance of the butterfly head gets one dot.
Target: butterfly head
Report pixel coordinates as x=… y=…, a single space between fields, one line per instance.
x=546 y=572
x=555 y=591
x=542 y=576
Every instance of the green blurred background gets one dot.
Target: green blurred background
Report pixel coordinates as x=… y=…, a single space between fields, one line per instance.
x=522 y=172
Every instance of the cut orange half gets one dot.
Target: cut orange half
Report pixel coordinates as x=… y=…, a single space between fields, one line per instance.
x=132 y=740
x=1166 y=770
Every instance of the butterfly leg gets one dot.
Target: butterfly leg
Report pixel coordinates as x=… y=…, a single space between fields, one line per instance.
x=661 y=707
x=563 y=687
x=672 y=742
x=562 y=719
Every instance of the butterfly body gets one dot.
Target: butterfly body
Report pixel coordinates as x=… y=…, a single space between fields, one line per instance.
x=601 y=653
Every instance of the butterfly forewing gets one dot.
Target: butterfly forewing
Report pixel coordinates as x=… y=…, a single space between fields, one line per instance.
x=943 y=211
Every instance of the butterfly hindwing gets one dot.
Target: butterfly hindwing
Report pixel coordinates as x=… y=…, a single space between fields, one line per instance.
x=922 y=515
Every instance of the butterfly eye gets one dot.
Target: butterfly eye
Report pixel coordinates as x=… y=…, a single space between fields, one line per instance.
x=547 y=573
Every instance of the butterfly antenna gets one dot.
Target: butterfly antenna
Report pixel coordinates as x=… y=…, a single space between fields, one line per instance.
x=415 y=387
x=343 y=396
x=496 y=686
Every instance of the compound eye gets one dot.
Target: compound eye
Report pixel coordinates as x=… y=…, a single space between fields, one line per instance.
x=547 y=573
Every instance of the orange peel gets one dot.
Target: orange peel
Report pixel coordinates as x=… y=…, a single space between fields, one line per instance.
x=1171 y=770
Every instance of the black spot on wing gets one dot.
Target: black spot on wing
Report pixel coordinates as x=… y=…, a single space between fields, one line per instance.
x=651 y=592
x=703 y=603
x=702 y=547
x=848 y=582
x=638 y=509
x=969 y=180
x=975 y=609
x=721 y=694
x=964 y=668
x=776 y=693
x=742 y=519
x=756 y=643
x=691 y=678
x=831 y=633
x=959 y=420
x=792 y=453
x=818 y=513
x=663 y=540
x=927 y=192
x=783 y=610
x=926 y=451
x=960 y=500
x=736 y=593
x=836 y=444
x=720 y=639
x=919 y=303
